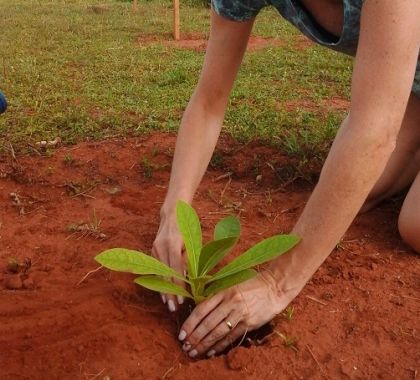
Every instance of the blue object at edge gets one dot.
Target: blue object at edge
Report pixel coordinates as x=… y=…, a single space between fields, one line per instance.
x=3 y=103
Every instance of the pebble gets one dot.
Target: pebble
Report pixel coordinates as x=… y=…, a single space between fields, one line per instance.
x=14 y=283
x=29 y=283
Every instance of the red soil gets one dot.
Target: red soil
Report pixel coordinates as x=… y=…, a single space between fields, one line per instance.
x=302 y=42
x=358 y=318
x=198 y=42
x=309 y=105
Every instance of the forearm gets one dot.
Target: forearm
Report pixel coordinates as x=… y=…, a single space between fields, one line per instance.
x=355 y=162
x=203 y=118
x=382 y=77
x=195 y=144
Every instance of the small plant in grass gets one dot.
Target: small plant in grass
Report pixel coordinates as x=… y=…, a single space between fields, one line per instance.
x=201 y=259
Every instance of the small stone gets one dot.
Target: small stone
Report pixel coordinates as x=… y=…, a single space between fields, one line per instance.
x=14 y=283
x=28 y=283
x=373 y=266
x=113 y=190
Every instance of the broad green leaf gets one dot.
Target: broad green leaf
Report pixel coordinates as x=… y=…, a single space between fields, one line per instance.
x=264 y=251
x=229 y=281
x=227 y=227
x=126 y=260
x=158 y=284
x=213 y=252
x=189 y=226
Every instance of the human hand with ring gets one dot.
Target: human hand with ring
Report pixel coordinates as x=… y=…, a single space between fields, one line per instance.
x=219 y=321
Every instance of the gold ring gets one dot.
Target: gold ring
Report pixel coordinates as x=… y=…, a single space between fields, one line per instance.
x=229 y=324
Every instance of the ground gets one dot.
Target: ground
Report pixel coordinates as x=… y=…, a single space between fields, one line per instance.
x=107 y=86
x=356 y=319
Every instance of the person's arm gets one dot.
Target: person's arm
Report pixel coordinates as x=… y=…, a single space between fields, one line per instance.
x=382 y=79
x=198 y=133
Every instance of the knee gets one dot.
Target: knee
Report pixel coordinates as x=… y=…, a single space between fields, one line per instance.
x=409 y=228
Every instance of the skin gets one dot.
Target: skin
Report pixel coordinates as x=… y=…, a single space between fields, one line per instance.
x=376 y=154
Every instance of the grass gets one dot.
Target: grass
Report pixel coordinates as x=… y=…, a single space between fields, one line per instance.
x=70 y=72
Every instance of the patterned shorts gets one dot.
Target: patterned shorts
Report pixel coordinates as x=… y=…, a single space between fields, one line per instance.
x=297 y=15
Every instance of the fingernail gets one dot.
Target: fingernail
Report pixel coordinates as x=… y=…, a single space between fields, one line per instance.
x=193 y=353
x=163 y=298
x=211 y=353
x=186 y=346
x=180 y=299
x=171 y=305
x=182 y=335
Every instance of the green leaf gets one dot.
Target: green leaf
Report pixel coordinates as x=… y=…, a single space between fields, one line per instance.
x=264 y=251
x=126 y=260
x=213 y=252
x=229 y=281
x=227 y=227
x=189 y=226
x=158 y=284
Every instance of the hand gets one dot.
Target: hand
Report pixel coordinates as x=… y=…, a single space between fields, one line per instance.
x=167 y=248
x=219 y=321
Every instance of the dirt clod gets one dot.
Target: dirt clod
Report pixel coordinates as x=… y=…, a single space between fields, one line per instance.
x=28 y=283
x=14 y=283
x=238 y=358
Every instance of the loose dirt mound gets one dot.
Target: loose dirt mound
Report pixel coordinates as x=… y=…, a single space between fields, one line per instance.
x=357 y=318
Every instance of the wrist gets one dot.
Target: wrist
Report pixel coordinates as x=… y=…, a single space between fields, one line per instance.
x=168 y=209
x=292 y=271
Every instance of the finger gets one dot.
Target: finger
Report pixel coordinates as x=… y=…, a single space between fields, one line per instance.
x=238 y=332
x=212 y=326
x=219 y=332
x=156 y=256
x=198 y=314
x=177 y=262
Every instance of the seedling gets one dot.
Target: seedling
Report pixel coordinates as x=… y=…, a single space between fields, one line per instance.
x=288 y=313
x=92 y=229
x=201 y=259
x=288 y=341
x=147 y=167
x=68 y=160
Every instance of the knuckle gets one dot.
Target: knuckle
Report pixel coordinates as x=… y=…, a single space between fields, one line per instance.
x=206 y=324
x=214 y=337
x=236 y=296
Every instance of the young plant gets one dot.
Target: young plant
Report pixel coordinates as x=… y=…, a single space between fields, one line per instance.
x=201 y=259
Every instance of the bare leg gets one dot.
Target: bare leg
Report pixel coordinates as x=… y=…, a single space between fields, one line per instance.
x=404 y=163
x=409 y=220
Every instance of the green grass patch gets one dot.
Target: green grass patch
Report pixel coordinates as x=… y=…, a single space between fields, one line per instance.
x=72 y=72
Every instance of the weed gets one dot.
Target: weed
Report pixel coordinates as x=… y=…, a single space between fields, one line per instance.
x=147 y=167
x=288 y=313
x=92 y=229
x=68 y=160
x=288 y=341
x=201 y=260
